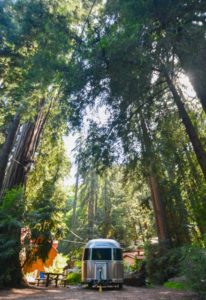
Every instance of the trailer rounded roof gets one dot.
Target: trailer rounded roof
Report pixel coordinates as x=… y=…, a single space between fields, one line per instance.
x=102 y=243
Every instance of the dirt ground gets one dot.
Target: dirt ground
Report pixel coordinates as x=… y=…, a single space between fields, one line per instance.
x=79 y=293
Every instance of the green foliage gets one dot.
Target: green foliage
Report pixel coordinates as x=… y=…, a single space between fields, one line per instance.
x=44 y=58
x=74 y=278
x=78 y=264
x=133 y=88
x=188 y=261
x=176 y=285
x=58 y=264
x=11 y=216
x=45 y=195
x=117 y=210
x=194 y=268
x=13 y=203
x=162 y=263
x=136 y=265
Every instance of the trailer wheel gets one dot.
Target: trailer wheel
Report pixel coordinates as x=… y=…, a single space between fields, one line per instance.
x=120 y=285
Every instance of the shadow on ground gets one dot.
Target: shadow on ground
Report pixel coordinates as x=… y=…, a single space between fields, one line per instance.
x=81 y=293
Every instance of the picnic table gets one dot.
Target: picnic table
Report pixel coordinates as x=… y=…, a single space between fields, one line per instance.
x=48 y=277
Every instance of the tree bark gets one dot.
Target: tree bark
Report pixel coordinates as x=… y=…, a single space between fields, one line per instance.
x=24 y=150
x=96 y=205
x=91 y=206
x=190 y=130
x=7 y=147
x=75 y=197
x=107 y=207
x=141 y=231
x=157 y=201
x=159 y=210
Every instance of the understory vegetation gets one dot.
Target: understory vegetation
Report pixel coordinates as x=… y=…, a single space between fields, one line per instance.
x=126 y=78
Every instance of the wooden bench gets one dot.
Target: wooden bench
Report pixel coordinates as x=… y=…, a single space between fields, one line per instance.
x=41 y=278
x=49 y=277
x=62 y=280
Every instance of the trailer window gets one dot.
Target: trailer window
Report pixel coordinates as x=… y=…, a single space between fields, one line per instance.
x=86 y=254
x=101 y=254
x=117 y=254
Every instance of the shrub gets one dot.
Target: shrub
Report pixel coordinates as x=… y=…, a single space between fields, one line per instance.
x=58 y=264
x=74 y=278
x=78 y=264
x=162 y=263
x=11 y=214
x=136 y=265
x=194 y=268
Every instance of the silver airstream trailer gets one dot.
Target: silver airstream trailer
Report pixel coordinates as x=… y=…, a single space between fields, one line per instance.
x=102 y=263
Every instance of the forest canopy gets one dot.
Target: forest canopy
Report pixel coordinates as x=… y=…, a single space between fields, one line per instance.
x=140 y=174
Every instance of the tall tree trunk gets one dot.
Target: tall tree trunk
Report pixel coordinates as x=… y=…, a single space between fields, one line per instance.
x=159 y=209
x=197 y=146
x=192 y=187
x=157 y=201
x=107 y=207
x=91 y=206
x=141 y=231
x=96 y=205
x=7 y=147
x=75 y=197
x=177 y=203
x=91 y=217
x=24 y=150
x=196 y=178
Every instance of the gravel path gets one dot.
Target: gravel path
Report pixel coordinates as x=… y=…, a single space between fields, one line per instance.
x=72 y=293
